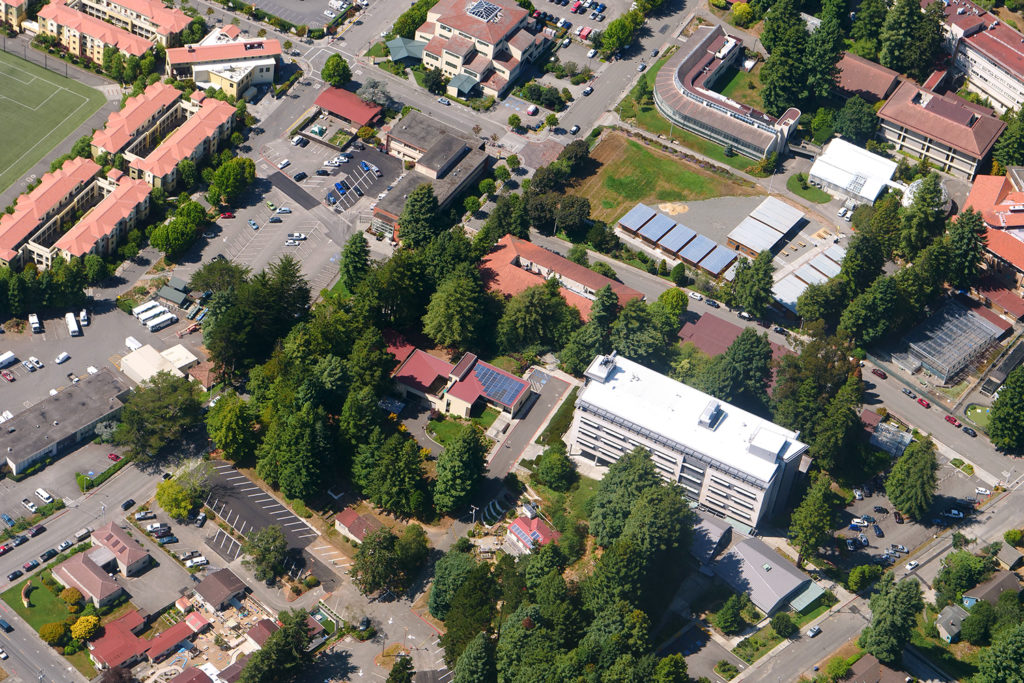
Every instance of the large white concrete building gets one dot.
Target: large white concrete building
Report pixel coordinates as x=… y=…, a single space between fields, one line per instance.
x=733 y=463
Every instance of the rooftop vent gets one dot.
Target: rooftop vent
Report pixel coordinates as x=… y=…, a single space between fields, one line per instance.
x=710 y=416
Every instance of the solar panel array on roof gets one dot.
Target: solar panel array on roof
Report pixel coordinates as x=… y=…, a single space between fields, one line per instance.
x=484 y=10
x=718 y=260
x=755 y=235
x=810 y=275
x=528 y=541
x=676 y=238
x=825 y=265
x=777 y=214
x=498 y=386
x=636 y=217
x=699 y=247
x=657 y=227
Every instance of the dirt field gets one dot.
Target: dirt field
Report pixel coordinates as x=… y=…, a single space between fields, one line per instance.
x=629 y=172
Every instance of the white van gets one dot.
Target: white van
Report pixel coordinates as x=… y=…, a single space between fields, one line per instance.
x=33 y=321
x=44 y=496
x=63 y=357
x=297 y=139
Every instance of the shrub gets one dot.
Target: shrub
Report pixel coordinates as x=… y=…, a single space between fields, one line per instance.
x=1013 y=537
x=85 y=628
x=53 y=633
x=783 y=624
x=71 y=595
x=311 y=581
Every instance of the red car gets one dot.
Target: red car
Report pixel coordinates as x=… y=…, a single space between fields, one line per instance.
x=6 y=375
x=878 y=373
x=924 y=403
x=114 y=456
x=4 y=549
x=227 y=214
x=952 y=420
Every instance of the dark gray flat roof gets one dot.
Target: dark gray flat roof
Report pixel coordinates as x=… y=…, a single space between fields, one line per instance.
x=445 y=147
x=33 y=429
x=419 y=130
x=443 y=187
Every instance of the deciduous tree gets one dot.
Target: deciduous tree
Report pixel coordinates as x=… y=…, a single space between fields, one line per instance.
x=85 y=628
x=336 y=71
x=231 y=425
x=856 y=121
x=265 y=550
x=752 y=286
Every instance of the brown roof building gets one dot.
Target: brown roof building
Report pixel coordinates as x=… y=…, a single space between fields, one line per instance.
x=81 y=572
x=356 y=526
x=868 y=669
x=952 y=133
x=347 y=106
x=260 y=631
x=869 y=80
x=131 y=557
x=219 y=588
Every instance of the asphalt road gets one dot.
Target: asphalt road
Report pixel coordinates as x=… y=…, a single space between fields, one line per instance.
x=552 y=391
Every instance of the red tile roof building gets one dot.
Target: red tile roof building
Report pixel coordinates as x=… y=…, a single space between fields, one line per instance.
x=684 y=94
x=952 y=133
x=103 y=227
x=166 y=642
x=119 y=645
x=192 y=675
x=235 y=51
x=455 y=389
x=1000 y=201
x=150 y=19
x=200 y=135
x=138 y=114
x=223 y=62
x=486 y=43
x=525 y=534
x=869 y=80
x=354 y=525
x=58 y=196
x=347 y=106
x=515 y=265
x=713 y=335
x=79 y=571
x=86 y=36
x=987 y=51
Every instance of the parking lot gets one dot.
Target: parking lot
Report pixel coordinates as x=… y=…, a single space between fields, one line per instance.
x=956 y=490
x=244 y=506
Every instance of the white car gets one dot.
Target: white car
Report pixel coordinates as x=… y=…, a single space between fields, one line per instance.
x=857 y=521
x=197 y=562
x=696 y=297
x=150 y=528
x=3 y=655
x=296 y=236
x=954 y=513
x=982 y=491
x=911 y=566
x=35 y=361
x=283 y=209
x=328 y=13
x=42 y=495
x=813 y=631
x=28 y=366
x=291 y=243
x=592 y=53
x=284 y=163
x=63 y=358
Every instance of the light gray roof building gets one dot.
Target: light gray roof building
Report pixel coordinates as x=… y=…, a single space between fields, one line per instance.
x=753 y=568
x=710 y=535
x=636 y=217
x=777 y=214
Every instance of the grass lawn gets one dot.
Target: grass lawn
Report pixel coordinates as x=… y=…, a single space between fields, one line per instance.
x=507 y=363
x=811 y=194
x=560 y=421
x=46 y=607
x=756 y=646
x=37 y=111
x=377 y=50
x=485 y=418
x=954 y=391
x=631 y=172
x=743 y=87
x=80 y=660
x=979 y=415
x=443 y=430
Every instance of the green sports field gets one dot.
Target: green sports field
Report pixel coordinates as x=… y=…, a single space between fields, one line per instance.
x=38 y=109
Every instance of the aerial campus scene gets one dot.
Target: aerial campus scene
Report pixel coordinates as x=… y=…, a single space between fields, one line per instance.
x=541 y=341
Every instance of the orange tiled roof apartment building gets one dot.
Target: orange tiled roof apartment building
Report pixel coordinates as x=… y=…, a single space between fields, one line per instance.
x=86 y=36
x=149 y=19
x=155 y=107
x=13 y=12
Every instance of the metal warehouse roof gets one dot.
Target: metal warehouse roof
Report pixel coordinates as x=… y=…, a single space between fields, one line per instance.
x=836 y=253
x=810 y=275
x=637 y=216
x=718 y=260
x=677 y=238
x=699 y=247
x=787 y=290
x=777 y=214
x=755 y=235
x=825 y=265
x=656 y=228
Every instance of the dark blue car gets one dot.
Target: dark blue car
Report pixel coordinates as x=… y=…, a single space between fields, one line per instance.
x=363 y=165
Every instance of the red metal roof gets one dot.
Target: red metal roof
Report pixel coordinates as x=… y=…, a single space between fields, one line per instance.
x=224 y=52
x=870 y=80
x=85 y=24
x=1002 y=296
x=544 y=533
x=358 y=525
x=118 y=644
x=160 y=646
x=347 y=105
x=421 y=370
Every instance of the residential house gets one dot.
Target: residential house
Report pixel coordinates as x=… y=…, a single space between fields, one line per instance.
x=354 y=526
x=166 y=642
x=219 y=589
x=191 y=675
x=526 y=533
x=1009 y=557
x=956 y=136
x=868 y=669
x=458 y=389
x=991 y=589
x=259 y=632
x=948 y=622
x=514 y=265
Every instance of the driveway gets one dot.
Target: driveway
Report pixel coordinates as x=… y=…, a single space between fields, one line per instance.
x=549 y=393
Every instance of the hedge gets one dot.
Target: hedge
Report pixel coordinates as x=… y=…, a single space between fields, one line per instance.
x=38 y=467
x=283 y=88
x=41 y=513
x=560 y=421
x=85 y=483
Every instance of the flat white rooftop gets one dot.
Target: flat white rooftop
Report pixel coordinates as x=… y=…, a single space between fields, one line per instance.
x=736 y=439
x=860 y=172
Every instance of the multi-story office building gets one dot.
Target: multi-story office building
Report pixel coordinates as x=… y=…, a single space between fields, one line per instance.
x=987 y=51
x=731 y=462
x=222 y=61
x=683 y=94
x=955 y=135
x=485 y=43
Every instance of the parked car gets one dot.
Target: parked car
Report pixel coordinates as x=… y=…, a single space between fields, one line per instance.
x=898 y=547
x=227 y=214
x=28 y=505
x=878 y=531
x=952 y=420
x=128 y=504
x=188 y=555
x=301 y=175
x=143 y=515
x=858 y=494
x=908 y=392
x=982 y=491
x=924 y=403
x=8 y=520
x=275 y=219
x=641 y=66
x=857 y=521
x=64 y=545
x=160 y=533
x=150 y=528
x=879 y=373
x=911 y=566
x=284 y=163
x=196 y=562
x=30 y=565
x=880 y=510
x=272 y=206
x=445 y=101
x=113 y=456
x=28 y=366
x=322 y=172
x=48 y=555
x=968 y=431
x=34 y=531
x=253 y=224
x=201 y=520
x=164 y=540
x=712 y=303
x=868 y=518
x=813 y=631
x=863 y=539
x=36 y=362
x=850 y=545
x=7 y=375
x=283 y=209
x=3 y=655
x=18 y=539
x=15 y=575
x=574 y=130
x=897 y=516
x=954 y=513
